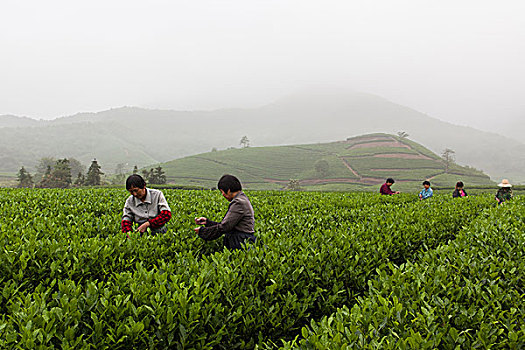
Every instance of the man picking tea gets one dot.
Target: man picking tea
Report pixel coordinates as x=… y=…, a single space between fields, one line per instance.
x=238 y=223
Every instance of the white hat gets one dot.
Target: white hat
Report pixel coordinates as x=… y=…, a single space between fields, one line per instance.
x=505 y=183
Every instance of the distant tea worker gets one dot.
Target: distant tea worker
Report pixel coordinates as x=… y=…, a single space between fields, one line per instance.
x=505 y=191
x=146 y=207
x=385 y=188
x=237 y=226
x=426 y=192
x=459 y=191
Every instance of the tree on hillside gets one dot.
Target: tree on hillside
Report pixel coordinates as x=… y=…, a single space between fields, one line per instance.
x=135 y=169
x=448 y=158
x=80 y=180
x=402 y=134
x=74 y=164
x=93 y=174
x=322 y=167
x=155 y=176
x=147 y=174
x=42 y=166
x=24 y=178
x=46 y=180
x=58 y=176
x=61 y=174
x=159 y=176
x=76 y=167
x=245 y=143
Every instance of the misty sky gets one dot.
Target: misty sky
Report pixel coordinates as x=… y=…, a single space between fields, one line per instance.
x=459 y=61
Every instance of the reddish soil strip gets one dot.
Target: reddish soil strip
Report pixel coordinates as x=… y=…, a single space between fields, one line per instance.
x=392 y=169
x=399 y=169
x=322 y=181
x=402 y=156
x=379 y=144
x=275 y=181
x=363 y=181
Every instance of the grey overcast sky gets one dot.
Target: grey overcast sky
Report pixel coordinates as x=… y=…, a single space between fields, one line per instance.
x=457 y=60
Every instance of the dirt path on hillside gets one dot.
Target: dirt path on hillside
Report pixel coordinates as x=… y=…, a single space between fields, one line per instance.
x=434 y=176
x=350 y=168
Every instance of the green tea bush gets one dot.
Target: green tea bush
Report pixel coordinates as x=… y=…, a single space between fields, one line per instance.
x=70 y=279
x=469 y=293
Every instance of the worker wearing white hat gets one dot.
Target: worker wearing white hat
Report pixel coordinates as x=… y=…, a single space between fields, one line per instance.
x=504 y=192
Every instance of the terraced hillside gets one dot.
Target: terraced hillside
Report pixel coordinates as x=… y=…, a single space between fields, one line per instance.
x=357 y=163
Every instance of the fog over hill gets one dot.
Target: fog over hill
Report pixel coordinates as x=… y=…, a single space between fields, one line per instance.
x=136 y=136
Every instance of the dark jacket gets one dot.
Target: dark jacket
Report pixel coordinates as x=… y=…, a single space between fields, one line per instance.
x=503 y=194
x=456 y=193
x=237 y=226
x=385 y=190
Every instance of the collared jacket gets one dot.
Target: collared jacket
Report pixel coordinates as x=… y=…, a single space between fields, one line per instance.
x=426 y=193
x=154 y=209
x=237 y=226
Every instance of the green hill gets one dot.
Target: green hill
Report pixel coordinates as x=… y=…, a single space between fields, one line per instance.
x=358 y=163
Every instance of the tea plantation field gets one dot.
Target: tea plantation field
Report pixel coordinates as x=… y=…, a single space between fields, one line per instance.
x=329 y=271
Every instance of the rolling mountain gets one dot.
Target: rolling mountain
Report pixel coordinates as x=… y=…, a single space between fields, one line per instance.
x=136 y=136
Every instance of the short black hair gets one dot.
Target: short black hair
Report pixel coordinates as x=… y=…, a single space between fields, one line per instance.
x=135 y=180
x=390 y=180
x=229 y=182
x=426 y=183
x=459 y=184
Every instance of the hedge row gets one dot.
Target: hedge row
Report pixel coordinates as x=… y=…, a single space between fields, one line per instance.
x=469 y=293
x=70 y=280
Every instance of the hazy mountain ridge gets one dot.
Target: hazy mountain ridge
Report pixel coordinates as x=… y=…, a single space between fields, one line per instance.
x=13 y=121
x=142 y=136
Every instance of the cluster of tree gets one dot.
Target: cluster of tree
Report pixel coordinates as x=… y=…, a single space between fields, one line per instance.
x=155 y=176
x=65 y=173
x=59 y=174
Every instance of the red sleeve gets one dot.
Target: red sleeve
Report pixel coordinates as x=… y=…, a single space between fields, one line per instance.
x=161 y=219
x=126 y=225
